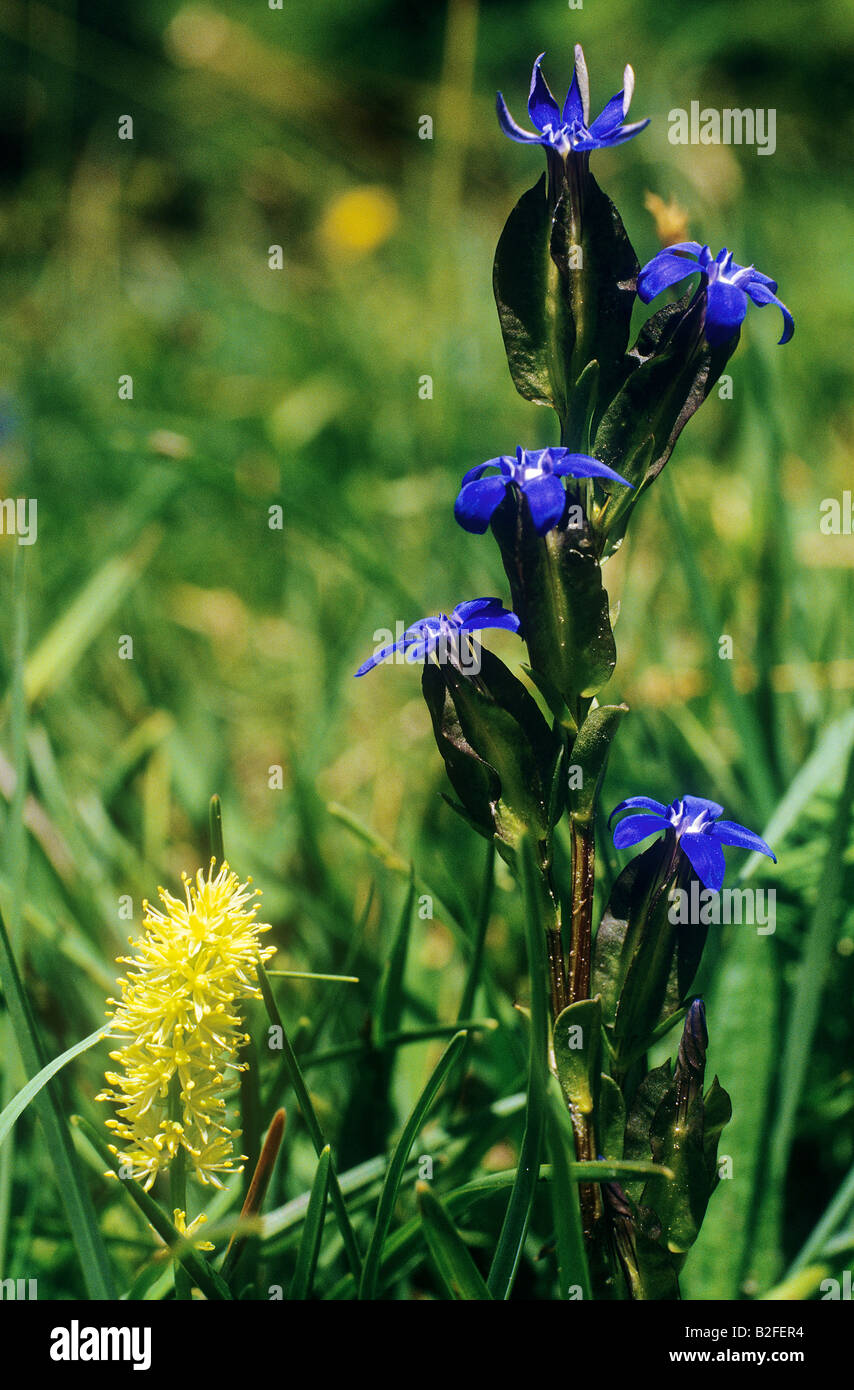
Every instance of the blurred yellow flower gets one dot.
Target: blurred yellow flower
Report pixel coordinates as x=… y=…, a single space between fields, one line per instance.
x=194 y=962
x=357 y=222
x=671 y=220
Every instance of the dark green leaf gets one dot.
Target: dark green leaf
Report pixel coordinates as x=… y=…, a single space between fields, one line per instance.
x=624 y=923
x=475 y=782
x=677 y=1142
x=670 y=372
x=521 y=276
x=312 y=1231
x=577 y=1046
x=503 y=724
x=718 y=1113
x=556 y=584
x=595 y=293
x=611 y=1119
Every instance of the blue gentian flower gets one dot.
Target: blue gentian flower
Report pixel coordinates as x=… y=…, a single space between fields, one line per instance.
x=699 y=832
x=537 y=473
x=443 y=631
x=727 y=284
x=570 y=130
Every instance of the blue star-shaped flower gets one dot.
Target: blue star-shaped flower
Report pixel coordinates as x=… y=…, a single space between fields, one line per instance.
x=727 y=283
x=570 y=130
x=443 y=631
x=537 y=473
x=699 y=832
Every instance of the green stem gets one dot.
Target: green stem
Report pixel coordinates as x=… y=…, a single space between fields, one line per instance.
x=178 y=1185
x=580 y=955
x=581 y=925
x=550 y=916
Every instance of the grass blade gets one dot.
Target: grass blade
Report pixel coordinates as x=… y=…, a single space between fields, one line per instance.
x=573 y=1271
x=73 y=1190
x=742 y=715
x=743 y=1010
x=310 y=975
x=390 y=995
x=309 y=1115
x=811 y=978
x=509 y=1249
x=391 y=1186
x=454 y=1265
x=833 y=1217
x=312 y=1230
x=403 y=1247
x=61 y=648
x=200 y=1272
x=15 y=854
x=18 y=1105
x=831 y=752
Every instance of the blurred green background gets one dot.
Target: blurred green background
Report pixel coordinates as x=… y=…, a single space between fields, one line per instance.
x=255 y=387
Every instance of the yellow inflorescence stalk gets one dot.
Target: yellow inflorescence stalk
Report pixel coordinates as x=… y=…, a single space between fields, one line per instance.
x=194 y=961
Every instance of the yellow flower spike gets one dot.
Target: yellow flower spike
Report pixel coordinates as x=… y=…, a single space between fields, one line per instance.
x=194 y=961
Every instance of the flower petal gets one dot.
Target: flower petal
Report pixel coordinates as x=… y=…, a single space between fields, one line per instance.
x=506 y=620
x=580 y=76
x=730 y=833
x=509 y=126
x=503 y=464
x=543 y=459
x=379 y=656
x=693 y=247
x=583 y=466
x=573 y=107
x=762 y=294
x=485 y=612
x=546 y=499
x=726 y=306
x=694 y=806
x=416 y=651
x=628 y=87
x=763 y=279
x=706 y=858
x=610 y=117
x=477 y=501
x=635 y=828
x=621 y=134
x=643 y=803
x=542 y=107
x=661 y=272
